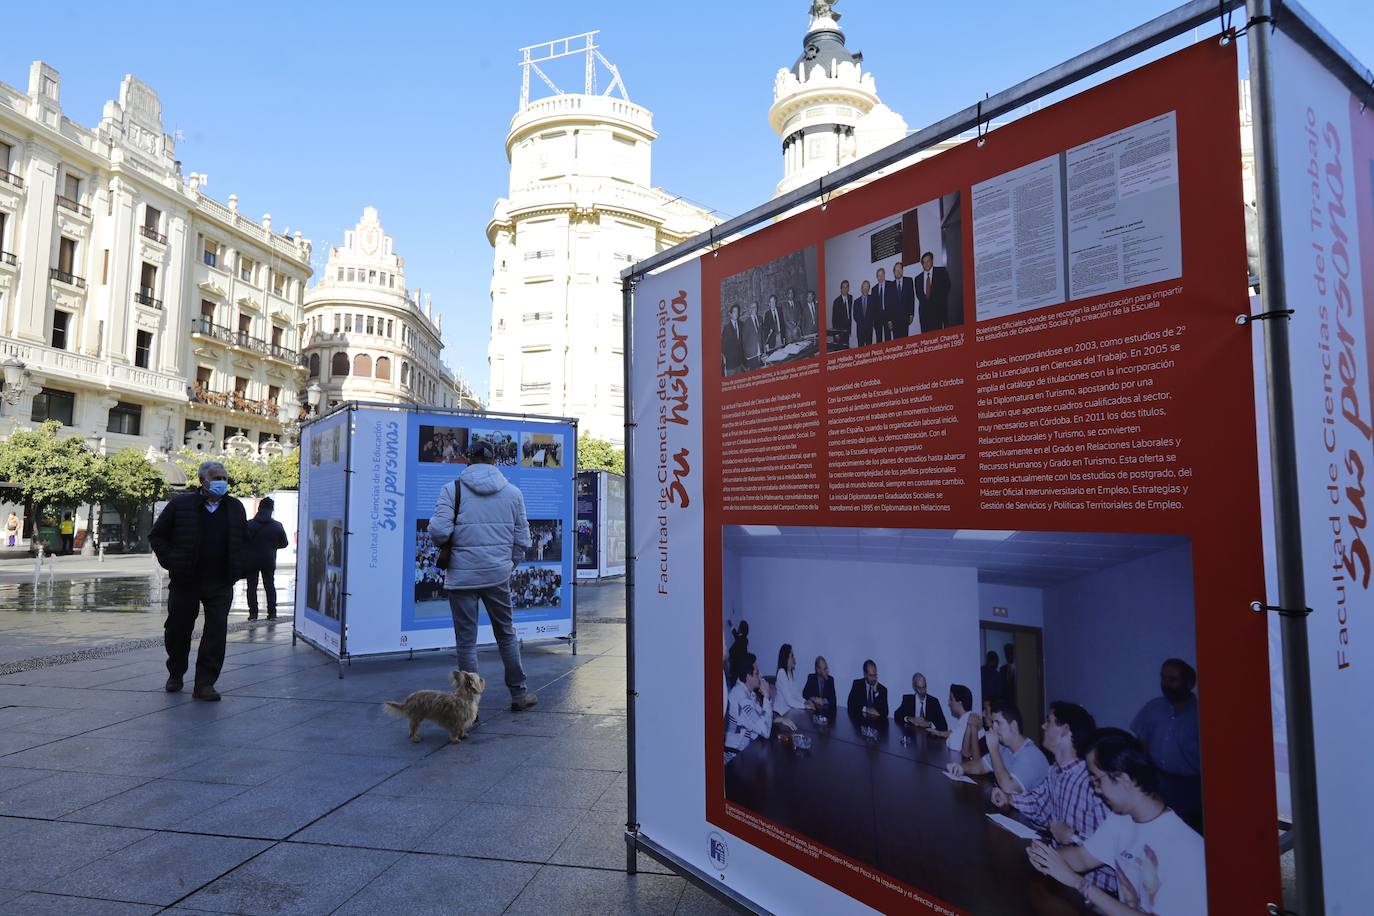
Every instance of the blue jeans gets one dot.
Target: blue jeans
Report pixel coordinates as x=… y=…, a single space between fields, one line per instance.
x=462 y=603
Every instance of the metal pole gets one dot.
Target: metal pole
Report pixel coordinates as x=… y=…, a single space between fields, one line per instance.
x=631 y=802
x=1297 y=684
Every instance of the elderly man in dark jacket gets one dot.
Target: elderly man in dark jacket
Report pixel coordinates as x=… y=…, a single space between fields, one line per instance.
x=265 y=537
x=199 y=540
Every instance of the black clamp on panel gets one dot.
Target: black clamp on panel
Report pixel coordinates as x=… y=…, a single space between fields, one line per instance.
x=1273 y=909
x=1260 y=607
x=1229 y=34
x=981 y=126
x=1243 y=320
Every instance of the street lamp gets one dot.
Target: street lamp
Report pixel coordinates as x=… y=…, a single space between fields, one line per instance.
x=312 y=397
x=16 y=380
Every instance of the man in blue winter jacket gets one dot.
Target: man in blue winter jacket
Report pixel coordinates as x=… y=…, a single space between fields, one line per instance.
x=484 y=514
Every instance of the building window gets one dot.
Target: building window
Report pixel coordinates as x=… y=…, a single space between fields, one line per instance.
x=350 y=275
x=372 y=276
x=143 y=349
x=383 y=368
x=273 y=392
x=370 y=325
x=104 y=260
x=207 y=310
x=66 y=255
x=71 y=188
x=338 y=365
x=211 y=254
x=147 y=280
x=314 y=365
x=245 y=324
x=245 y=269
x=338 y=322
x=4 y=157
x=126 y=419
x=391 y=281
x=390 y=329
x=276 y=336
x=52 y=404
x=203 y=377
x=362 y=365
x=152 y=217
x=240 y=386
x=278 y=284
x=405 y=374
x=340 y=276
x=61 y=322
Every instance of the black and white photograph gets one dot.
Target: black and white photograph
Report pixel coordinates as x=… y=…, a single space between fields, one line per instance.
x=541 y=450
x=536 y=586
x=546 y=541
x=333 y=599
x=315 y=450
x=770 y=314
x=443 y=445
x=896 y=278
x=314 y=565
x=502 y=443
x=335 y=438
x=919 y=700
x=334 y=546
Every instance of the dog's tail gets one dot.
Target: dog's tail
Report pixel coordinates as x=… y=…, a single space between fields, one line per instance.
x=396 y=709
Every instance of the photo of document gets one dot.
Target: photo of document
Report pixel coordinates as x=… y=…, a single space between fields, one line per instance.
x=1123 y=221
x=1018 y=240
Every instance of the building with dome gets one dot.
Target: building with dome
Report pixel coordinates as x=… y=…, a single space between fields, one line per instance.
x=581 y=207
x=368 y=337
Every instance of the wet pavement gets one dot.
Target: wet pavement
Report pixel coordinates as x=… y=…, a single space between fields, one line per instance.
x=296 y=794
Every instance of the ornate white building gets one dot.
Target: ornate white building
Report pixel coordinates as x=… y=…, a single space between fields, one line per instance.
x=368 y=337
x=581 y=208
x=134 y=309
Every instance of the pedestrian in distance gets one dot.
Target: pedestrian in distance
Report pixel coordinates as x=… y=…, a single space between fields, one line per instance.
x=265 y=537
x=199 y=540
x=67 y=529
x=12 y=528
x=481 y=516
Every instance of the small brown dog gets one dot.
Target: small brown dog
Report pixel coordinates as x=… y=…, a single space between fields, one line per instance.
x=455 y=711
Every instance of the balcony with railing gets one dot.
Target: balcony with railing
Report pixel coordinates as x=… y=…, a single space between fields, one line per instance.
x=63 y=276
x=231 y=400
x=242 y=339
x=145 y=296
x=11 y=179
x=148 y=232
x=67 y=203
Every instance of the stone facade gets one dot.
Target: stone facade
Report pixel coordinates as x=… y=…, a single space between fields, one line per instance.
x=369 y=337
x=144 y=312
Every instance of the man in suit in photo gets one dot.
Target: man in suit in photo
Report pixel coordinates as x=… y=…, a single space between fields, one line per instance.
x=932 y=294
x=791 y=314
x=882 y=327
x=919 y=709
x=751 y=338
x=810 y=315
x=731 y=351
x=863 y=316
x=867 y=697
x=774 y=327
x=904 y=295
x=820 y=688
x=842 y=317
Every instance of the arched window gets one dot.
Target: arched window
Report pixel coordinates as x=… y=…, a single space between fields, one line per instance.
x=338 y=365
x=383 y=368
x=405 y=374
x=362 y=365
x=314 y=365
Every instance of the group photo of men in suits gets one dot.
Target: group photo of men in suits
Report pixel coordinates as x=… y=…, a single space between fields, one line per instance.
x=770 y=314
x=881 y=294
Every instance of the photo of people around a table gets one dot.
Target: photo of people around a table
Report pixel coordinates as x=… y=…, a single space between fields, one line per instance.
x=1005 y=720
x=897 y=277
x=770 y=314
x=443 y=445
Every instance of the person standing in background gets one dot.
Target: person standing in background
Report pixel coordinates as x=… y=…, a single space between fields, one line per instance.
x=67 y=529
x=265 y=537
x=12 y=528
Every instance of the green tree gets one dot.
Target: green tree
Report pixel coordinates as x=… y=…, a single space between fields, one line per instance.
x=284 y=471
x=52 y=473
x=129 y=482
x=247 y=478
x=599 y=455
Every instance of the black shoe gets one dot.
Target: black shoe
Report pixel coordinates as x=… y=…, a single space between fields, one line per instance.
x=209 y=694
x=271 y=615
x=252 y=615
x=173 y=684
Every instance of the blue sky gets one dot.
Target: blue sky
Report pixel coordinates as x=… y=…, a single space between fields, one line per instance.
x=311 y=111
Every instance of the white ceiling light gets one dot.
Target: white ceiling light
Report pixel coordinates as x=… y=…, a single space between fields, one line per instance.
x=974 y=534
x=761 y=530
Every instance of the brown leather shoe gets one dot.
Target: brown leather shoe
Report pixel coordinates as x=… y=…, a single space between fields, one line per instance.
x=523 y=702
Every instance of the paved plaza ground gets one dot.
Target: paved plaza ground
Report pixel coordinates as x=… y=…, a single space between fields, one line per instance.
x=297 y=794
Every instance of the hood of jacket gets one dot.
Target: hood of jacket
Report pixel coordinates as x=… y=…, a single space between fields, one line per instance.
x=483 y=479
x=264 y=515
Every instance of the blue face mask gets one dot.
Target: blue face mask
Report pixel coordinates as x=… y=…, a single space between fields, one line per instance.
x=217 y=487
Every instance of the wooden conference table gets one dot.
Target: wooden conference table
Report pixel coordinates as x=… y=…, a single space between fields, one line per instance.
x=888 y=803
